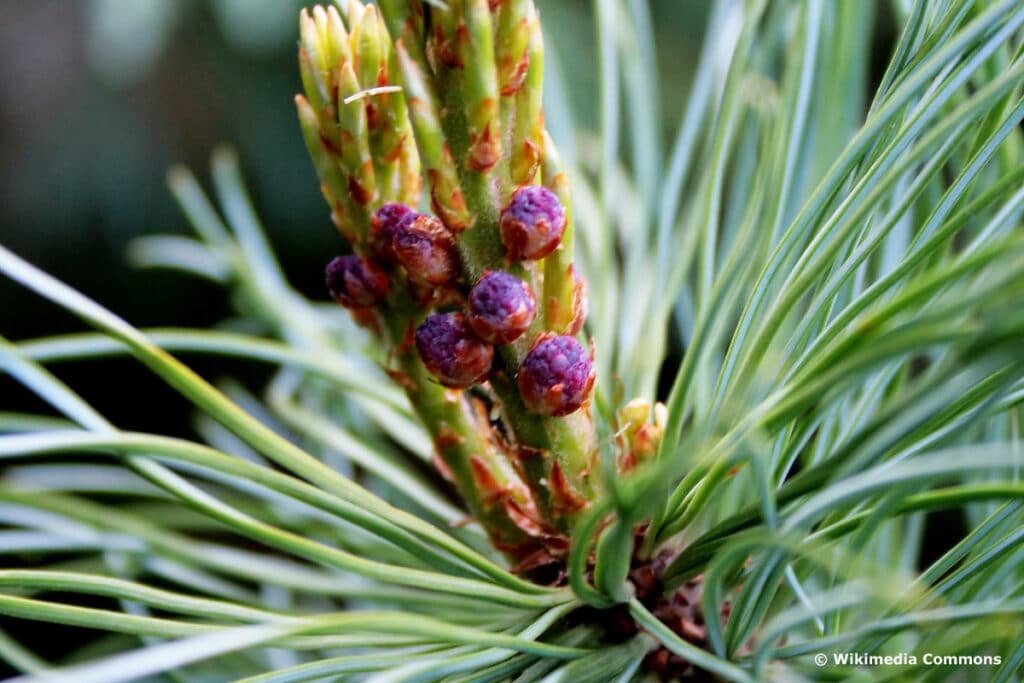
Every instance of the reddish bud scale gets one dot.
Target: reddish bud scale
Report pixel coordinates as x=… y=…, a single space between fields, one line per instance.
x=451 y=352
x=501 y=307
x=565 y=498
x=532 y=223
x=579 y=303
x=426 y=249
x=485 y=150
x=515 y=75
x=556 y=376
x=386 y=222
x=356 y=282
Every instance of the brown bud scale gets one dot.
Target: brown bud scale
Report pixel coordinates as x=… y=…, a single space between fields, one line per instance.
x=565 y=498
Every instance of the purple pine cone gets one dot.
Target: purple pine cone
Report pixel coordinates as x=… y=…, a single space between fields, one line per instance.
x=532 y=224
x=426 y=249
x=356 y=282
x=386 y=222
x=451 y=352
x=556 y=376
x=501 y=307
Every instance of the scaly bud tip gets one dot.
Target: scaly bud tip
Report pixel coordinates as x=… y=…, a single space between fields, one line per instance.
x=556 y=376
x=532 y=223
x=501 y=307
x=356 y=282
x=451 y=352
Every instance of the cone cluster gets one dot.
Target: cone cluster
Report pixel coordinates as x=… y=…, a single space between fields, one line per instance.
x=469 y=284
x=456 y=345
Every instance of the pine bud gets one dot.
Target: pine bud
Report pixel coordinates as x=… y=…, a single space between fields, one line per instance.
x=532 y=223
x=385 y=224
x=501 y=307
x=451 y=352
x=556 y=376
x=639 y=438
x=426 y=249
x=356 y=282
x=634 y=414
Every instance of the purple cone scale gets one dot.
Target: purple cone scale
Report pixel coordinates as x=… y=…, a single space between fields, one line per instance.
x=501 y=307
x=426 y=249
x=532 y=223
x=556 y=376
x=384 y=225
x=356 y=282
x=451 y=352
